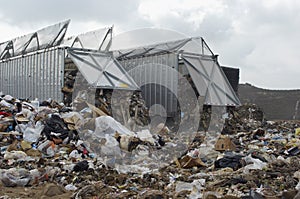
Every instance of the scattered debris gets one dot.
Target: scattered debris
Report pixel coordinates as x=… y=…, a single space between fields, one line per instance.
x=88 y=153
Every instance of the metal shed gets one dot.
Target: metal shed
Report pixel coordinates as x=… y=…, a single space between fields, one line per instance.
x=34 y=66
x=190 y=56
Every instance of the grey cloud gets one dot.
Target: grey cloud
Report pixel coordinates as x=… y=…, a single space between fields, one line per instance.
x=215 y=27
x=246 y=34
x=21 y=11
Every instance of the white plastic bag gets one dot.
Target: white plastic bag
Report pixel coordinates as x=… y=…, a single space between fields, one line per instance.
x=253 y=164
x=108 y=125
x=145 y=136
x=111 y=147
x=33 y=134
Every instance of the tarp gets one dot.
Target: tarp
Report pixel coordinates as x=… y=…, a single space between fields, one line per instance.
x=195 y=45
x=95 y=40
x=101 y=70
x=44 y=38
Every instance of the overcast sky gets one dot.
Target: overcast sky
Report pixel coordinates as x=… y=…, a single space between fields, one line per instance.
x=261 y=37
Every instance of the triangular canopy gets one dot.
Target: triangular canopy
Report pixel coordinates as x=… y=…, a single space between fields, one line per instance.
x=210 y=80
x=195 y=45
x=95 y=40
x=101 y=70
x=207 y=75
x=44 y=38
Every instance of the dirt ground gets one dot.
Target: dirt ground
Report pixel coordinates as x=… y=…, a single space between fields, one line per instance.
x=42 y=191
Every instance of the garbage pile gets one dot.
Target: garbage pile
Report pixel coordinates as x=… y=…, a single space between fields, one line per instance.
x=89 y=154
x=244 y=118
x=104 y=99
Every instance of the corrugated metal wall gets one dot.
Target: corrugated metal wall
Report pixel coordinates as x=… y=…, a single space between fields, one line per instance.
x=38 y=75
x=158 y=78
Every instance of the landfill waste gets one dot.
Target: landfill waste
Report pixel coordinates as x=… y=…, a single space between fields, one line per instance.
x=224 y=143
x=15 y=177
x=52 y=150
x=230 y=160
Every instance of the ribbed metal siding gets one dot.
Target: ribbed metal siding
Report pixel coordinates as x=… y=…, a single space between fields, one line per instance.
x=39 y=75
x=161 y=70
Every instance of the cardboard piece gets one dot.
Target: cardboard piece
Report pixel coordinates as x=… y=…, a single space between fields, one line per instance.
x=189 y=162
x=96 y=112
x=21 y=118
x=297 y=131
x=224 y=144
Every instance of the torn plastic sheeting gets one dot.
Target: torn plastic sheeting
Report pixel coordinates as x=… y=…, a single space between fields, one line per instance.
x=28 y=106
x=207 y=151
x=33 y=134
x=75 y=154
x=146 y=136
x=15 y=177
x=5 y=104
x=132 y=169
x=25 y=113
x=8 y=98
x=73 y=120
x=253 y=164
x=108 y=125
x=71 y=187
x=195 y=187
x=266 y=193
x=17 y=155
x=111 y=147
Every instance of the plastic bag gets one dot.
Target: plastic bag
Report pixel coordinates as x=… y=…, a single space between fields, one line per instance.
x=33 y=134
x=195 y=187
x=70 y=187
x=145 y=136
x=75 y=154
x=108 y=125
x=16 y=155
x=73 y=119
x=111 y=146
x=15 y=177
x=253 y=164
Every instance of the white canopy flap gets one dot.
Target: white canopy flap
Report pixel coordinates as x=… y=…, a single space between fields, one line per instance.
x=210 y=80
x=101 y=69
